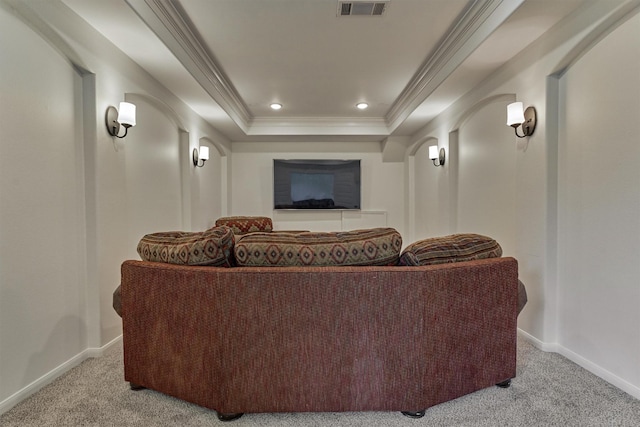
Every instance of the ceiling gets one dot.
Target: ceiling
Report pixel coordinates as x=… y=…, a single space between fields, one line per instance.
x=230 y=59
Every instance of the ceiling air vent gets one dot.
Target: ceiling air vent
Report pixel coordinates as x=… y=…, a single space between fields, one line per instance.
x=361 y=8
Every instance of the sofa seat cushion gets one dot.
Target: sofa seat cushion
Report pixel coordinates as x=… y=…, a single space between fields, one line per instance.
x=246 y=224
x=453 y=248
x=211 y=247
x=376 y=246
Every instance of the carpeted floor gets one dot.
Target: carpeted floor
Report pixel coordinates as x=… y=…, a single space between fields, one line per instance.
x=548 y=391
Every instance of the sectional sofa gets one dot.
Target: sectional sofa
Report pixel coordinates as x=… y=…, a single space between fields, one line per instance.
x=363 y=327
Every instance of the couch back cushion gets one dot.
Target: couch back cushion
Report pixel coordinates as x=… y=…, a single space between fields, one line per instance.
x=246 y=224
x=376 y=246
x=211 y=247
x=453 y=248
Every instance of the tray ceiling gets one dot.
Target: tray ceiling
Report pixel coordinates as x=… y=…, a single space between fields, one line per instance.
x=230 y=59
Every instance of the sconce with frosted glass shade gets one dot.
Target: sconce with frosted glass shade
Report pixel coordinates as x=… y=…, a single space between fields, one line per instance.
x=125 y=116
x=434 y=155
x=518 y=117
x=200 y=154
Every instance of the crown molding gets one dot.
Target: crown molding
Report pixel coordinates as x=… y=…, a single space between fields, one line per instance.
x=318 y=126
x=478 y=21
x=173 y=28
x=170 y=23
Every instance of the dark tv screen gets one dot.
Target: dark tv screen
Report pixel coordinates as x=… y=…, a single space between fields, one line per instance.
x=316 y=184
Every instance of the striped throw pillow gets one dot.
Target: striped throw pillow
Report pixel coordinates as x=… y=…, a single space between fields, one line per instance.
x=453 y=248
x=211 y=247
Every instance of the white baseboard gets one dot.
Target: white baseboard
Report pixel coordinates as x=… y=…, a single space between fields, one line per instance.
x=50 y=376
x=548 y=347
x=98 y=352
x=609 y=377
x=597 y=370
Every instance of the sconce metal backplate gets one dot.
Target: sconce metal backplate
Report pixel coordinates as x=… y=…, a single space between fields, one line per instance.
x=195 y=156
x=111 y=118
x=530 y=121
x=441 y=157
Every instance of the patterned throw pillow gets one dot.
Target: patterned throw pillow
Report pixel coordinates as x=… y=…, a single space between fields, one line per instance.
x=376 y=246
x=454 y=248
x=211 y=247
x=246 y=224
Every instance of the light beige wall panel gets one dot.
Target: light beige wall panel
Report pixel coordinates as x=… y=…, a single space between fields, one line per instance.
x=207 y=186
x=426 y=198
x=42 y=225
x=134 y=186
x=153 y=178
x=599 y=205
x=486 y=177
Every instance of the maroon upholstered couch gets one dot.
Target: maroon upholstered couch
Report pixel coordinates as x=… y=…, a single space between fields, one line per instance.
x=338 y=338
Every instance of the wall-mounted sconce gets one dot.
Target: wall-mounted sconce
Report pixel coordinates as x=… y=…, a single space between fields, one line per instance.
x=198 y=154
x=125 y=117
x=434 y=155
x=517 y=117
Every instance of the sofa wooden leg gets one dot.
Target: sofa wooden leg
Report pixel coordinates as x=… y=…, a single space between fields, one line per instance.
x=136 y=386
x=229 y=417
x=416 y=414
x=504 y=384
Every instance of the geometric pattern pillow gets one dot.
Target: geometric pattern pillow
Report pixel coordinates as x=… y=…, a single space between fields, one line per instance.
x=453 y=248
x=211 y=247
x=376 y=246
x=246 y=224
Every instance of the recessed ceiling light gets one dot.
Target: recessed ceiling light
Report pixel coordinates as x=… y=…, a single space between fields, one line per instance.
x=276 y=106
x=362 y=105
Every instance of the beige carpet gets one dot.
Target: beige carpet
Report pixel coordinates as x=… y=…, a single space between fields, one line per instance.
x=548 y=391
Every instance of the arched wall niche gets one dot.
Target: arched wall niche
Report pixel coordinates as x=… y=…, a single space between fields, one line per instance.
x=415 y=147
x=51 y=200
x=209 y=189
x=86 y=145
x=154 y=162
x=609 y=24
x=552 y=124
x=483 y=159
x=159 y=105
x=453 y=154
x=442 y=194
x=467 y=114
x=219 y=147
x=182 y=157
x=419 y=193
x=584 y=196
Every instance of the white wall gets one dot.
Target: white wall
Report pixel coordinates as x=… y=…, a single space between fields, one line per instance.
x=252 y=184
x=427 y=220
x=74 y=201
x=564 y=201
x=599 y=205
x=152 y=174
x=206 y=186
x=43 y=319
x=486 y=177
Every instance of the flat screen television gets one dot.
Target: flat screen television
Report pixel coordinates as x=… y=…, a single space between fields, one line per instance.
x=316 y=184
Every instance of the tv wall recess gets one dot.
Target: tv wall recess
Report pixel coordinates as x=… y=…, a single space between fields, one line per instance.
x=316 y=184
